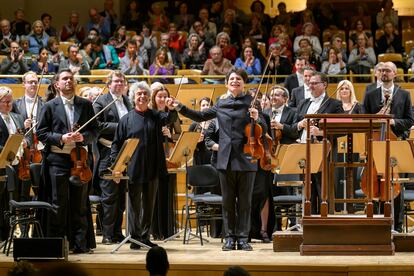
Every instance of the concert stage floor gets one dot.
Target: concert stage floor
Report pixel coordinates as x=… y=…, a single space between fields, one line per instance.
x=194 y=259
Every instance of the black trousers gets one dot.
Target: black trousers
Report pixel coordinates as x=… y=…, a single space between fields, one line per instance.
x=237 y=189
x=113 y=198
x=141 y=208
x=71 y=218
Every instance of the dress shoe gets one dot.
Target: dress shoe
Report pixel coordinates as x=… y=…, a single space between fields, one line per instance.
x=118 y=238
x=264 y=237
x=148 y=242
x=78 y=250
x=244 y=246
x=134 y=246
x=107 y=240
x=229 y=245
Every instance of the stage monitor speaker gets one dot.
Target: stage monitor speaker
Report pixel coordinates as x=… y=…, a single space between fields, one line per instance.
x=40 y=248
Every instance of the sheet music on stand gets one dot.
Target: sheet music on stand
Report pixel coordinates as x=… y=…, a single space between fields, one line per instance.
x=10 y=149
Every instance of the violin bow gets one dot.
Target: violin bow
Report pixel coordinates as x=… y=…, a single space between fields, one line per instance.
x=37 y=94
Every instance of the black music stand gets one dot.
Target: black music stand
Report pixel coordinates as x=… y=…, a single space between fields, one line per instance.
x=182 y=152
x=292 y=161
x=120 y=165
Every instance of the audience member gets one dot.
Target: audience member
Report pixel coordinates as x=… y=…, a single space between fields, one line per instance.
x=229 y=51
x=207 y=38
x=278 y=64
x=150 y=42
x=43 y=65
x=141 y=50
x=336 y=42
x=208 y=27
x=55 y=54
x=73 y=30
x=216 y=65
x=134 y=16
x=177 y=40
x=362 y=58
x=119 y=39
x=28 y=56
x=257 y=30
x=307 y=17
x=100 y=23
x=390 y=42
x=334 y=65
x=162 y=66
x=109 y=14
x=216 y=11
x=258 y=7
x=248 y=62
x=157 y=261
x=75 y=62
x=19 y=25
x=13 y=64
x=361 y=14
x=182 y=19
x=37 y=37
x=157 y=18
x=131 y=63
x=173 y=55
x=236 y=271
x=47 y=20
x=103 y=56
x=195 y=54
x=6 y=37
x=387 y=14
x=307 y=33
x=85 y=50
x=232 y=27
x=358 y=29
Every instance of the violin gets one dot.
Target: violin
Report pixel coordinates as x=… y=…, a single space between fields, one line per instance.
x=268 y=161
x=35 y=154
x=23 y=169
x=80 y=172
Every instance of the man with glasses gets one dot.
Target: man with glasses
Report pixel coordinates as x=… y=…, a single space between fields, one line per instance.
x=6 y=37
x=75 y=62
x=113 y=194
x=10 y=123
x=336 y=42
x=399 y=102
x=319 y=103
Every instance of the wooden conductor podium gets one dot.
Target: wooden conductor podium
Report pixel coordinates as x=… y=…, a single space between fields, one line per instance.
x=329 y=234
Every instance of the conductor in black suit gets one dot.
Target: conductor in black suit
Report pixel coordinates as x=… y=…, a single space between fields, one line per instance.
x=113 y=194
x=147 y=164
x=318 y=103
x=55 y=129
x=392 y=99
x=236 y=171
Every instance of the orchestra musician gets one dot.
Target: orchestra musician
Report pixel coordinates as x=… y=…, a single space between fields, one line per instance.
x=399 y=102
x=55 y=129
x=236 y=171
x=164 y=221
x=318 y=103
x=345 y=93
x=147 y=164
x=10 y=123
x=112 y=194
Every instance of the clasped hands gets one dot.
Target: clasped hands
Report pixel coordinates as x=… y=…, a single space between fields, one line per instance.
x=72 y=137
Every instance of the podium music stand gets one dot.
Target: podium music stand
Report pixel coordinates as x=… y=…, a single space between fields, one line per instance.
x=401 y=161
x=120 y=165
x=292 y=161
x=183 y=150
x=10 y=149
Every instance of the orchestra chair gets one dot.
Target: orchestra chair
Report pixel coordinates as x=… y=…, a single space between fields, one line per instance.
x=378 y=34
x=64 y=46
x=100 y=72
x=408 y=206
x=190 y=72
x=23 y=214
x=207 y=206
x=262 y=47
x=288 y=205
x=394 y=57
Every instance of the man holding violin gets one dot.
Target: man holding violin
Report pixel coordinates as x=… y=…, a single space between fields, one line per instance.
x=113 y=194
x=10 y=123
x=234 y=111
x=55 y=129
x=390 y=98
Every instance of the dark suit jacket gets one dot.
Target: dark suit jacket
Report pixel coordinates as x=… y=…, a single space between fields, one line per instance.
x=19 y=106
x=371 y=86
x=53 y=123
x=4 y=132
x=289 y=135
x=400 y=108
x=296 y=95
x=328 y=106
x=108 y=120
x=291 y=82
x=232 y=117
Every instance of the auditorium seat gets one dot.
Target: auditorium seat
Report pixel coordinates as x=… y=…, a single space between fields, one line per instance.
x=262 y=48
x=100 y=72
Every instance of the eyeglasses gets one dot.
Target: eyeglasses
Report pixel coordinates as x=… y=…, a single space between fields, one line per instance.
x=315 y=83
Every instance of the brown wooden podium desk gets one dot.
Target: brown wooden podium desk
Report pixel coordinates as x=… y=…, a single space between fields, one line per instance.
x=351 y=234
